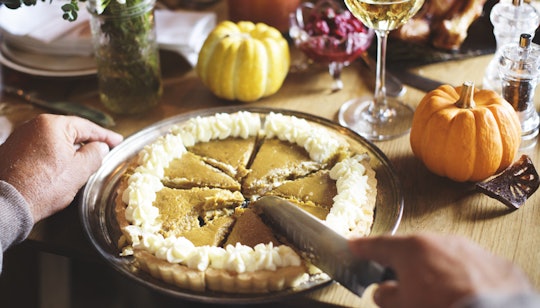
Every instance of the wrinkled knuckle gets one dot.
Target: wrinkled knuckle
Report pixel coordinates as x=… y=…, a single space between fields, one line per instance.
x=44 y=121
x=44 y=118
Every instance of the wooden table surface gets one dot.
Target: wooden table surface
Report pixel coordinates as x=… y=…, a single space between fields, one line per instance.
x=432 y=203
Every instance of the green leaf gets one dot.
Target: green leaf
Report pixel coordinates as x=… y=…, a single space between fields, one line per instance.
x=70 y=11
x=102 y=5
x=15 y=4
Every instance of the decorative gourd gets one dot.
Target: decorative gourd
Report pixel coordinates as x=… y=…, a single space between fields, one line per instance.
x=465 y=134
x=243 y=61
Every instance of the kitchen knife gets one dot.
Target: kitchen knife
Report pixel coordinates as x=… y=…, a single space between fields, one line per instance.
x=70 y=108
x=416 y=81
x=323 y=247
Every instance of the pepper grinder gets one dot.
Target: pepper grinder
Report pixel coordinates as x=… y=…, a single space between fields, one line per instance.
x=509 y=21
x=519 y=70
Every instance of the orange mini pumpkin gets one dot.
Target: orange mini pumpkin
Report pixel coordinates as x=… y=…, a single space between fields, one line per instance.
x=465 y=134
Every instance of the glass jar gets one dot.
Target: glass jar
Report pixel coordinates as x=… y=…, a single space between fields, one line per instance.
x=127 y=54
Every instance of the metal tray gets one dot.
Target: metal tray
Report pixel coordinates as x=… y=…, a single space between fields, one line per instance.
x=99 y=223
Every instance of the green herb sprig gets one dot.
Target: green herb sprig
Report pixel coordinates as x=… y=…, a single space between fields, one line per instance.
x=71 y=9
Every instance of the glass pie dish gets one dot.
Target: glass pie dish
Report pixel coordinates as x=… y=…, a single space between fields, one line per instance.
x=99 y=223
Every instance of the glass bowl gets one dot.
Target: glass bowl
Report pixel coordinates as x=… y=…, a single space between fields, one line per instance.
x=329 y=34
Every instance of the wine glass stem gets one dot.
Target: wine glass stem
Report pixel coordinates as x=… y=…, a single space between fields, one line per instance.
x=335 y=69
x=379 y=107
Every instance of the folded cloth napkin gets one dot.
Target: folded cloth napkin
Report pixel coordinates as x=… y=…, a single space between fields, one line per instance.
x=184 y=31
x=41 y=29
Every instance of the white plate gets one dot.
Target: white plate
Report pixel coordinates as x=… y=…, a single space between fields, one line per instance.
x=46 y=65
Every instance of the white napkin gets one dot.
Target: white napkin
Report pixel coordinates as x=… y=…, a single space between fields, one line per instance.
x=41 y=29
x=184 y=31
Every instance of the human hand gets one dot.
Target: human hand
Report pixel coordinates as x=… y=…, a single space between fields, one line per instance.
x=49 y=158
x=437 y=271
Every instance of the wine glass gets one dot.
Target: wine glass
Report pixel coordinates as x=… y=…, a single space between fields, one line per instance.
x=328 y=34
x=380 y=117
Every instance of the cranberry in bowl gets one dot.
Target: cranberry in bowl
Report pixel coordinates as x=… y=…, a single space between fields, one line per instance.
x=329 y=34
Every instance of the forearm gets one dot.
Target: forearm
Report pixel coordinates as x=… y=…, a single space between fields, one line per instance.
x=15 y=218
x=523 y=300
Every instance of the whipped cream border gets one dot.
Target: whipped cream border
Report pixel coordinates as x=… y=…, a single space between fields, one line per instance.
x=351 y=214
x=155 y=158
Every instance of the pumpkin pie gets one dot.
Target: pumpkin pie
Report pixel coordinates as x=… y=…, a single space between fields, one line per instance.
x=190 y=223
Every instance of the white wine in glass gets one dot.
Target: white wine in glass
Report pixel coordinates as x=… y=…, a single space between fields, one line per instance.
x=380 y=117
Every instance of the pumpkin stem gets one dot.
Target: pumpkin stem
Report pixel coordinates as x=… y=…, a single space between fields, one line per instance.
x=466 y=96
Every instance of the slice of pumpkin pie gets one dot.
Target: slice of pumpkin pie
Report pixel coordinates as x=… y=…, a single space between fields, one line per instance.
x=313 y=193
x=250 y=230
x=190 y=170
x=213 y=233
x=275 y=162
x=230 y=155
x=182 y=210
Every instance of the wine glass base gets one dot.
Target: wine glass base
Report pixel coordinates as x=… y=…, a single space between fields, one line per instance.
x=394 y=122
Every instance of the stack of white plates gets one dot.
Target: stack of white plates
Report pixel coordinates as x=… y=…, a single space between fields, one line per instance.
x=36 y=40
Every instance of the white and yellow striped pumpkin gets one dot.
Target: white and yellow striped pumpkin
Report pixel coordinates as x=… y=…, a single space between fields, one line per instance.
x=243 y=61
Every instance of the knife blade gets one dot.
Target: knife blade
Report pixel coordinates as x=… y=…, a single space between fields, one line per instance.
x=416 y=81
x=70 y=108
x=324 y=247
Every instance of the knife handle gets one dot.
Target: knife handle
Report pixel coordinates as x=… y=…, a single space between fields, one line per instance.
x=388 y=274
x=84 y=111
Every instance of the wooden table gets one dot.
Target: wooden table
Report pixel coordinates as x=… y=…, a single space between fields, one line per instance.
x=432 y=203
